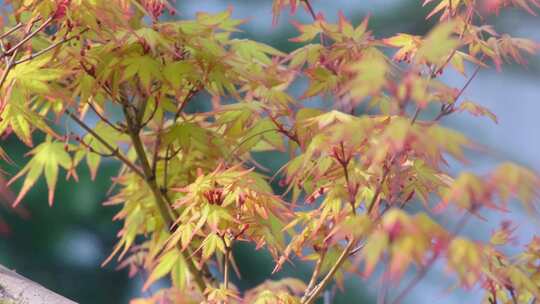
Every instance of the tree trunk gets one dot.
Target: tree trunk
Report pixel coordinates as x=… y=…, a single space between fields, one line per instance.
x=16 y=289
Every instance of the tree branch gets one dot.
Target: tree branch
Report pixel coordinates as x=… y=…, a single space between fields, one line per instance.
x=150 y=179
x=13 y=29
x=314 y=17
x=448 y=109
x=226 y=263
x=28 y=36
x=330 y=275
x=314 y=275
x=312 y=296
x=15 y=288
x=115 y=152
x=422 y=273
x=50 y=47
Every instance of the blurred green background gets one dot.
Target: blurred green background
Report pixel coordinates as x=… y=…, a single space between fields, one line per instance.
x=62 y=247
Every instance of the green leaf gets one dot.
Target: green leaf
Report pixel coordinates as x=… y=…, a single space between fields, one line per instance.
x=32 y=76
x=21 y=128
x=177 y=72
x=370 y=74
x=46 y=157
x=477 y=110
x=376 y=244
x=254 y=51
x=144 y=66
x=166 y=263
x=210 y=244
x=438 y=44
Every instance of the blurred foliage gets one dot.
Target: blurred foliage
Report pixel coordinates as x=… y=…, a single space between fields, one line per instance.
x=34 y=245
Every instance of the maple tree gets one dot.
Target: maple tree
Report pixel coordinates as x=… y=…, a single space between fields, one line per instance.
x=189 y=188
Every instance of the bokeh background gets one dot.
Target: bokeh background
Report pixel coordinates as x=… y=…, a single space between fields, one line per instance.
x=62 y=247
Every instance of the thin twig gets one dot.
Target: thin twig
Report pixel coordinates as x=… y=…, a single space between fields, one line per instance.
x=174 y=153
x=375 y=221
x=247 y=139
x=422 y=273
x=13 y=29
x=344 y=162
x=310 y=10
x=50 y=47
x=379 y=187
x=157 y=145
x=186 y=100
x=226 y=269
x=330 y=275
x=87 y=146
x=314 y=275
x=476 y=70
x=107 y=88
x=7 y=69
x=449 y=108
x=281 y=129
x=342 y=258
x=28 y=37
x=416 y=113
x=226 y=263
x=314 y=16
x=3 y=49
x=104 y=119
x=154 y=111
x=113 y=150
x=12 y=53
x=442 y=67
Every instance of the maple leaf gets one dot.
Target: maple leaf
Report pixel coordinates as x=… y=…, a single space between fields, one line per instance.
x=371 y=72
x=438 y=44
x=47 y=157
x=190 y=187
x=477 y=110
x=407 y=44
x=278 y=5
x=494 y=6
x=511 y=180
x=465 y=258
x=445 y=6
